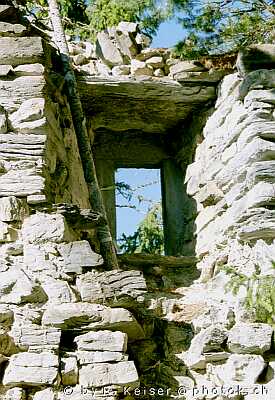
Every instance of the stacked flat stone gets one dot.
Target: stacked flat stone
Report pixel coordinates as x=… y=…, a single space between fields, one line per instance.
x=232 y=181
x=42 y=252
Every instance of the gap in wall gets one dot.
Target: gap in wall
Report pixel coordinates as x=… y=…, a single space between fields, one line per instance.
x=138 y=190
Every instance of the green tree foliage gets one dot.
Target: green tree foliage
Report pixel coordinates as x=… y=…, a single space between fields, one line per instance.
x=148 y=237
x=220 y=26
x=260 y=292
x=84 y=18
x=209 y=26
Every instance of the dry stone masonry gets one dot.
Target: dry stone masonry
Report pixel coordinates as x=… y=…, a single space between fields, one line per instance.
x=155 y=327
x=123 y=51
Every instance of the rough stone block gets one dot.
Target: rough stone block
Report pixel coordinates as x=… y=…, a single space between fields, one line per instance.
x=16 y=288
x=15 y=394
x=240 y=369
x=92 y=317
x=33 y=337
x=46 y=394
x=148 y=53
x=25 y=50
x=185 y=66
x=143 y=40
x=31 y=369
x=159 y=73
x=127 y=27
x=107 y=51
x=7 y=233
x=126 y=45
x=29 y=110
x=77 y=255
x=102 y=341
x=35 y=69
x=155 y=62
x=5 y=70
x=113 y=286
x=91 y=357
x=42 y=228
x=250 y=338
x=102 y=69
x=14 y=92
x=97 y=375
x=58 y=291
x=220 y=314
x=207 y=340
x=140 y=68
x=121 y=70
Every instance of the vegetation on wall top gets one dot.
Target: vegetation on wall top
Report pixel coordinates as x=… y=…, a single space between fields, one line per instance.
x=209 y=27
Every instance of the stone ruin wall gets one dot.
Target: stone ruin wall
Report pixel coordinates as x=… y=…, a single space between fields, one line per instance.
x=232 y=180
x=123 y=51
x=67 y=322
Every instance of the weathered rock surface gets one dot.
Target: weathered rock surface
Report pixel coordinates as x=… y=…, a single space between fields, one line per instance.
x=15 y=394
x=121 y=374
x=25 y=50
x=155 y=106
x=107 y=50
x=46 y=394
x=32 y=337
x=77 y=255
x=11 y=209
x=207 y=340
x=87 y=316
x=41 y=228
x=114 y=287
x=101 y=341
x=240 y=368
x=91 y=357
x=250 y=338
x=31 y=369
x=17 y=288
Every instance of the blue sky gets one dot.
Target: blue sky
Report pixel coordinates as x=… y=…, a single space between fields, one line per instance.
x=128 y=219
x=169 y=34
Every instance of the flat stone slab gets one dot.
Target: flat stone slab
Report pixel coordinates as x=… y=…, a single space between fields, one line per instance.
x=102 y=341
x=154 y=106
x=250 y=338
x=123 y=373
x=111 y=286
x=22 y=50
x=92 y=317
x=31 y=369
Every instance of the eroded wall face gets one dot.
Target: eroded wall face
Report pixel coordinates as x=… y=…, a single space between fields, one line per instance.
x=232 y=180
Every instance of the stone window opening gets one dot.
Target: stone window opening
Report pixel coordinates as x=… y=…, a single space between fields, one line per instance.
x=138 y=192
x=173 y=199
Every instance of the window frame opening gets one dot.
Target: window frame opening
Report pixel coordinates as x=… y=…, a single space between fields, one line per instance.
x=141 y=196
